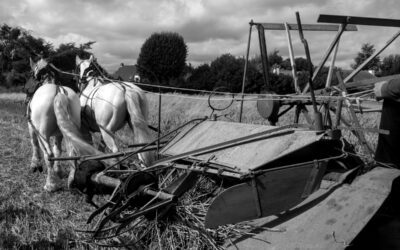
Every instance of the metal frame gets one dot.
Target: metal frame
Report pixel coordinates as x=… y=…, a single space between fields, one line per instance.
x=341 y=24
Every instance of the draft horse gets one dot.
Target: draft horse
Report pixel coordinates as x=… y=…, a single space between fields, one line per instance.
x=42 y=121
x=108 y=105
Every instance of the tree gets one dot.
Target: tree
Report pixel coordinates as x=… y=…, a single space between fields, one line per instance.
x=163 y=56
x=227 y=71
x=390 y=65
x=301 y=64
x=366 y=51
x=16 y=46
x=201 y=78
x=274 y=58
x=286 y=64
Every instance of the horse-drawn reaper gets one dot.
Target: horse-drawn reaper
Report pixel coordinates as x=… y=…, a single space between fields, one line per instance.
x=296 y=186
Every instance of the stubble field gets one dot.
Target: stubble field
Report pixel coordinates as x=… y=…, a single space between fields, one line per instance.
x=31 y=218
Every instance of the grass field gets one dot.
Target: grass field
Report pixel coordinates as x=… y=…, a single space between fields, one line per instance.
x=30 y=218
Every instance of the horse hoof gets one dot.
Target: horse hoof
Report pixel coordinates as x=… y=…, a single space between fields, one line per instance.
x=51 y=187
x=37 y=168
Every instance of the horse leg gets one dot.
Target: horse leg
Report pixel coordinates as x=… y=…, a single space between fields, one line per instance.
x=52 y=179
x=110 y=143
x=57 y=153
x=142 y=135
x=73 y=165
x=35 y=162
x=136 y=105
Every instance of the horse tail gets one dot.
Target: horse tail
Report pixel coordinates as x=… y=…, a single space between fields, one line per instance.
x=69 y=129
x=137 y=106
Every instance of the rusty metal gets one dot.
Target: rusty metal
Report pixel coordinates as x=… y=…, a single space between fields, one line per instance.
x=245 y=70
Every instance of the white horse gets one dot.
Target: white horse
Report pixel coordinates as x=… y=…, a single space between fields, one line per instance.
x=42 y=122
x=107 y=106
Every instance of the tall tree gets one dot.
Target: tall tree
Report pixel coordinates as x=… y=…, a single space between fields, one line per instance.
x=301 y=64
x=274 y=58
x=366 y=51
x=390 y=65
x=201 y=78
x=163 y=57
x=16 y=46
x=227 y=72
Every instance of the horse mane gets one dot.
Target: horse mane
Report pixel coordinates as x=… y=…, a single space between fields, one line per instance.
x=63 y=79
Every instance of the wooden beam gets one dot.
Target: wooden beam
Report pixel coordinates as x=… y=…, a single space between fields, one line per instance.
x=306 y=27
x=359 y=20
x=292 y=61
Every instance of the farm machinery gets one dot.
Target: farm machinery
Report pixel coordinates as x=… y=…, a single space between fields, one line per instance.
x=298 y=185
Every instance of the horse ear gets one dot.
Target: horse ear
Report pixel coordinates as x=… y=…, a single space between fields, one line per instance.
x=31 y=62
x=91 y=58
x=77 y=60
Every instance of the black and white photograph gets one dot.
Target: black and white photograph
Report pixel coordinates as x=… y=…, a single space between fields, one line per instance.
x=200 y=124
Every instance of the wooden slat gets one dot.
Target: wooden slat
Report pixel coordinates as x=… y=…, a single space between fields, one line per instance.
x=210 y=135
x=277 y=191
x=308 y=27
x=359 y=20
x=342 y=213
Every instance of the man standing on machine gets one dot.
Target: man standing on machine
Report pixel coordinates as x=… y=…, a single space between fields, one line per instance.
x=388 y=149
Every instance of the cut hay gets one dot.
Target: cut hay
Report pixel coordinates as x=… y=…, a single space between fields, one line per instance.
x=181 y=228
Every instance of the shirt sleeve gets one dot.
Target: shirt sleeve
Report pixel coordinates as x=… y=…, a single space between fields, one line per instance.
x=391 y=90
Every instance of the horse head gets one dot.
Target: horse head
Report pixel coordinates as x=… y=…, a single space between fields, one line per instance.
x=40 y=69
x=85 y=66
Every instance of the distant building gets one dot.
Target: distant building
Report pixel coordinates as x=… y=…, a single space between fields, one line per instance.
x=276 y=68
x=127 y=73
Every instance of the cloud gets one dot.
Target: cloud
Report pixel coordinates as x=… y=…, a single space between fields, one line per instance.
x=210 y=28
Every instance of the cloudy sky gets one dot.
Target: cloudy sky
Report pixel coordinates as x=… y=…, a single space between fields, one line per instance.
x=210 y=28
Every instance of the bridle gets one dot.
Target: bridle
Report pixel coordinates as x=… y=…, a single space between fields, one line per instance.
x=41 y=74
x=82 y=80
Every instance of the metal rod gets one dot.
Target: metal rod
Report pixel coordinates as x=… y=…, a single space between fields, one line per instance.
x=257 y=202
x=159 y=194
x=127 y=154
x=327 y=54
x=338 y=113
x=318 y=124
x=136 y=145
x=332 y=66
x=159 y=122
x=304 y=41
x=105 y=180
x=292 y=61
x=245 y=70
x=360 y=135
x=359 y=68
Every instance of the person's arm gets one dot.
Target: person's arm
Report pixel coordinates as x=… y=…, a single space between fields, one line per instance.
x=388 y=90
